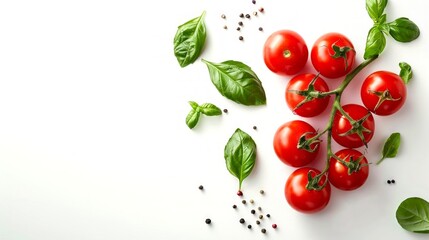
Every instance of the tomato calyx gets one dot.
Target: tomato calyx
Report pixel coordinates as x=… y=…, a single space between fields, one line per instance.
x=357 y=126
x=383 y=96
x=315 y=183
x=340 y=52
x=353 y=165
x=310 y=93
x=306 y=144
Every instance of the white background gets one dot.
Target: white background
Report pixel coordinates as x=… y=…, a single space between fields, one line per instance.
x=93 y=140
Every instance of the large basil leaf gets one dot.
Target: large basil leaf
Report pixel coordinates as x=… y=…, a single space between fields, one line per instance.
x=237 y=82
x=404 y=30
x=240 y=155
x=375 y=43
x=189 y=40
x=413 y=215
x=375 y=9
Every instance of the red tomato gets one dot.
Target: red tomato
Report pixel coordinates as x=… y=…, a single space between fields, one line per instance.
x=302 y=199
x=348 y=136
x=333 y=55
x=383 y=93
x=286 y=141
x=348 y=177
x=302 y=82
x=285 y=52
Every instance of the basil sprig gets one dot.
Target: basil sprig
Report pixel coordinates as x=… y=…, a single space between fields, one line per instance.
x=401 y=29
x=391 y=146
x=237 y=82
x=240 y=155
x=413 y=215
x=207 y=109
x=189 y=40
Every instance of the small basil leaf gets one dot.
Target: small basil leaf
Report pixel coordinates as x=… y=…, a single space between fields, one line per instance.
x=403 y=30
x=192 y=118
x=375 y=9
x=406 y=73
x=193 y=104
x=391 y=146
x=413 y=215
x=189 y=40
x=237 y=82
x=375 y=43
x=210 y=109
x=240 y=155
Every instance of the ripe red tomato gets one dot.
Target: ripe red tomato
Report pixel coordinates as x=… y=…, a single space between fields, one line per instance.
x=383 y=93
x=348 y=136
x=302 y=199
x=333 y=55
x=352 y=177
x=285 y=52
x=286 y=141
x=302 y=82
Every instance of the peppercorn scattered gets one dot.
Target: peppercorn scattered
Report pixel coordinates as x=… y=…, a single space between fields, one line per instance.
x=388 y=182
x=252 y=201
x=393 y=181
x=223 y=16
x=241 y=15
x=234 y=206
x=247 y=15
x=240 y=38
x=208 y=221
x=242 y=220
x=254 y=128
x=259 y=208
x=258 y=222
x=240 y=23
x=243 y=201
x=261 y=29
x=274 y=226
x=253 y=211
x=201 y=187
x=249 y=226
x=225 y=27
x=254 y=1
x=263 y=230
x=255 y=13
x=261 y=216
x=238 y=28
x=261 y=191
x=268 y=215
x=225 y=110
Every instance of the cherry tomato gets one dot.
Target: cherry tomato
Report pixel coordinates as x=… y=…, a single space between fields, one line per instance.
x=333 y=55
x=295 y=101
x=348 y=177
x=348 y=136
x=302 y=199
x=286 y=141
x=285 y=52
x=383 y=93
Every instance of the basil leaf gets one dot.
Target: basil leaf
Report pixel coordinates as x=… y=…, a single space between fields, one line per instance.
x=193 y=104
x=237 y=82
x=391 y=146
x=192 y=118
x=413 y=215
x=375 y=43
x=403 y=30
x=406 y=73
x=375 y=9
x=210 y=109
x=240 y=155
x=189 y=40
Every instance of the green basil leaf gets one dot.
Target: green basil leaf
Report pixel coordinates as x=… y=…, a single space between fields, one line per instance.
x=413 y=215
x=240 y=155
x=237 y=82
x=404 y=30
x=189 y=40
x=192 y=118
x=391 y=146
x=375 y=9
x=193 y=104
x=210 y=109
x=375 y=43
x=406 y=73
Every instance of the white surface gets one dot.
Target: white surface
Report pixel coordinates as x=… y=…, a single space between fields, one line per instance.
x=93 y=141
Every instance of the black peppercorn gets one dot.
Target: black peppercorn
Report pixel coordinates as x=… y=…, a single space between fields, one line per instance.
x=242 y=220
x=253 y=211
x=263 y=230
x=259 y=208
x=261 y=216
x=238 y=28
x=268 y=215
x=208 y=221
x=234 y=206
x=223 y=16
x=201 y=187
x=261 y=29
x=243 y=201
x=388 y=182
x=249 y=226
x=241 y=15
x=247 y=15
x=254 y=1
x=225 y=27
x=393 y=181
x=261 y=191
x=254 y=127
x=240 y=38
x=240 y=23
x=258 y=222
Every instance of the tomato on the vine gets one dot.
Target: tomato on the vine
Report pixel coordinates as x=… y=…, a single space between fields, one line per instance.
x=350 y=174
x=285 y=52
x=356 y=133
x=287 y=138
x=302 y=199
x=333 y=55
x=299 y=97
x=383 y=92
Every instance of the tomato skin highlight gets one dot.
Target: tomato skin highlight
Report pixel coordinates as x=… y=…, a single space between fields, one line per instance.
x=301 y=82
x=379 y=82
x=302 y=199
x=285 y=52
x=286 y=140
x=322 y=54
x=338 y=174
x=341 y=125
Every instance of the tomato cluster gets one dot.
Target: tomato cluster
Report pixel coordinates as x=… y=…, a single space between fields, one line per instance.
x=297 y=143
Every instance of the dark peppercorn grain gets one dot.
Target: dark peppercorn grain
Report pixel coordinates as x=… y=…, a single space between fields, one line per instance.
x=247 y=15
x=201 y=187
x=240 y=38
x=234 y=206
x=241 y=15
x=243 y=201
x=268 y=215
x=261 y=216
x=249 y=226
x=263 y=230
x=225 y=110
x=253 y=211
x=254 y=1
x=258 y=222
x=393 y=181
x=242 y=220
x=388 y=182
x=261 y=29
x=208 y=221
